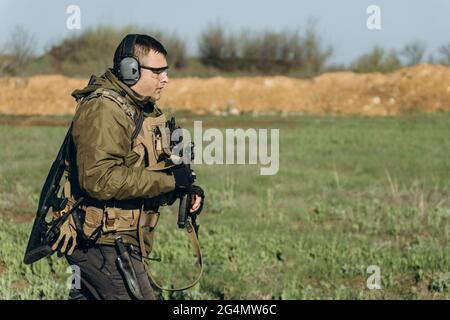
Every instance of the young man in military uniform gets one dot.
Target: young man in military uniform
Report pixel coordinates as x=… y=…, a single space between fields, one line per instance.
x=118 y=138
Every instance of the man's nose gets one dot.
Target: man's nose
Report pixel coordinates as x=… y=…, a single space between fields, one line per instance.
x=165 y=78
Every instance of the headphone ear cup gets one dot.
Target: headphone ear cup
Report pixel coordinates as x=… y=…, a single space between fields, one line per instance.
x=129 y=70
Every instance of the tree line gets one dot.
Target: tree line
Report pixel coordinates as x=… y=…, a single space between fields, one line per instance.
x=299 y=53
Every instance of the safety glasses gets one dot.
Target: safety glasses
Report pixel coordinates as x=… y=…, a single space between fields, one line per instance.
x=158 y=71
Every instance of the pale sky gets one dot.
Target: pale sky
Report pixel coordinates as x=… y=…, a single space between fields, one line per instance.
x=341 y=24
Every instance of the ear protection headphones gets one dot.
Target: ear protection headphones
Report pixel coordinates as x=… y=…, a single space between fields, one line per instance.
x=126 y=65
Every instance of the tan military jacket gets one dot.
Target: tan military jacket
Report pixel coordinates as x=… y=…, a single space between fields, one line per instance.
x=107 y=166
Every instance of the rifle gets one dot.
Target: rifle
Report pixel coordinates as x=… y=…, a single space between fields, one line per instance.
x=185 y=197
x=186 y=218
x=184 y=213
x=43 y=233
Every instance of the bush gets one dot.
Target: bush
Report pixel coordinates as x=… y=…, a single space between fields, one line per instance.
x=264 y=52
x=270 y=51
x=93 y=50
x=218 y=49
x=17 y=53
x=444 y=52
x=314 y=57
x=378 y=60
x=90 y=52
x=414 y=52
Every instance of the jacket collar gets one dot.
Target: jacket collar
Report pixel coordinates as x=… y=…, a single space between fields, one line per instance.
x=134 y=97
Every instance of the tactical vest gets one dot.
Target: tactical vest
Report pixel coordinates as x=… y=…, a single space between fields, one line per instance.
x=151 y=142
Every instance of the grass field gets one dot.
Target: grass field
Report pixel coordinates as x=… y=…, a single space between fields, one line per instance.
x=351 y=192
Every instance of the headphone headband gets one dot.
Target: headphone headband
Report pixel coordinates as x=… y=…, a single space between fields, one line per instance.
x=128 y=46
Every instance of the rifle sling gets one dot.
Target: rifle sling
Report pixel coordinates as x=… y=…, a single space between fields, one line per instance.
x=192 y=235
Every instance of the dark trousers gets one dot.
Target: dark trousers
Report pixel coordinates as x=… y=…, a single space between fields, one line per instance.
x=101 y=278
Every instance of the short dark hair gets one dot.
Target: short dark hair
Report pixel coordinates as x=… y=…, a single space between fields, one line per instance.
x=142 y=46
x=145 y=43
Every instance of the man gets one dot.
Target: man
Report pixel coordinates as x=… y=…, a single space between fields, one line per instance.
x=118 y=141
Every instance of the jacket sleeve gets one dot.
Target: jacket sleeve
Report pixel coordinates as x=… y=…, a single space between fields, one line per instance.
x=102 y=138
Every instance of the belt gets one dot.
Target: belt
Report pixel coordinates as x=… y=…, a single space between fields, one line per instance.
x=130 y=204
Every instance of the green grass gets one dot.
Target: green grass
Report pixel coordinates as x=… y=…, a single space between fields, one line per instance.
x=351 y=192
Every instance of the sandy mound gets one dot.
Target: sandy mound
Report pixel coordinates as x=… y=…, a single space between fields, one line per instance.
x=425 y=87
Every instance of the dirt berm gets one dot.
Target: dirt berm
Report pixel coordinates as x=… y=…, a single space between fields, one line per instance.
x=422 y=87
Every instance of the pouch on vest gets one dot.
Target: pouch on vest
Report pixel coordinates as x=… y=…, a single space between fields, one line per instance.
x=92 y=221
x=153 y=144
x=116 y=219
